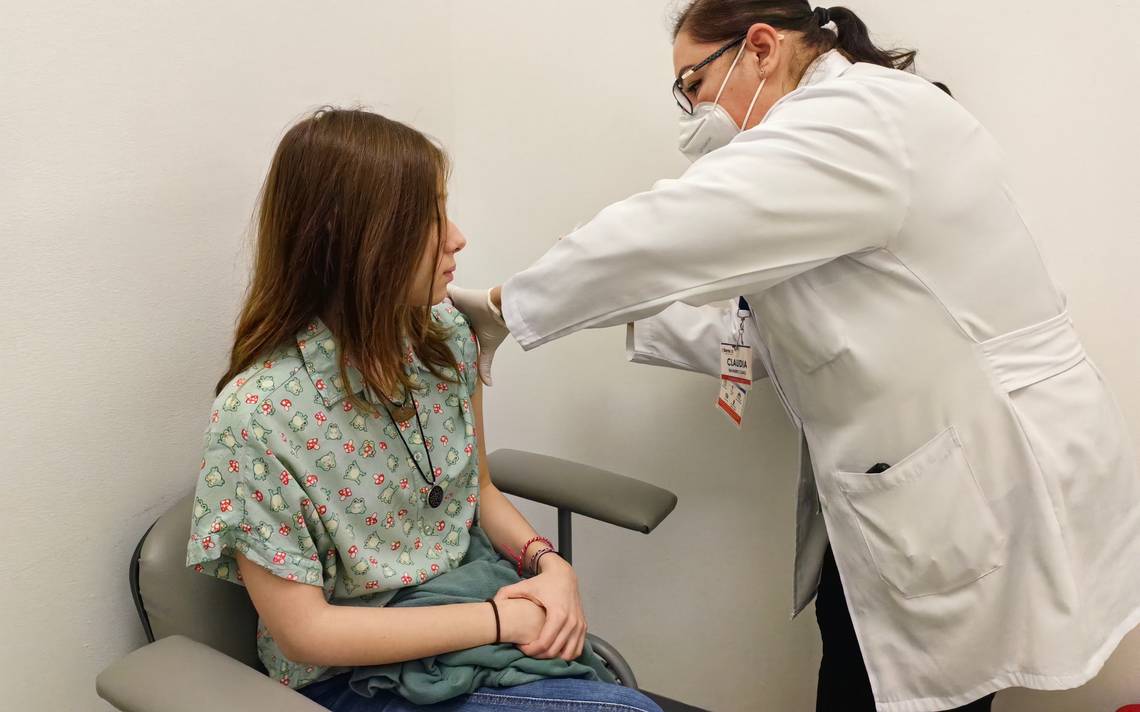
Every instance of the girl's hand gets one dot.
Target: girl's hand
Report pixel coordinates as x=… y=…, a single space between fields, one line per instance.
x=556 y=590
x=520 y=620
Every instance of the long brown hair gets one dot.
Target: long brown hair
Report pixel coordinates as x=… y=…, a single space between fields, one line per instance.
x=348 y=210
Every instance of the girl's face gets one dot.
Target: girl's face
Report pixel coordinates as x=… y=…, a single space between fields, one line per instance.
x=437 y=274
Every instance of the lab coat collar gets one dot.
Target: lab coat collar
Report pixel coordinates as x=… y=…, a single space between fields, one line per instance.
x=828 y=65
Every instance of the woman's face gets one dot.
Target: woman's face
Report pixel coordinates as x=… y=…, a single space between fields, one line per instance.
x=437 y=274
x=763 y=56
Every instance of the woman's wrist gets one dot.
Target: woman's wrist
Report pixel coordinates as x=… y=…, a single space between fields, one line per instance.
x=497 y=296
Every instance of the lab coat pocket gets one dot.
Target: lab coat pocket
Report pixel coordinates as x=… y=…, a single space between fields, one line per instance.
x=801 y=325
x=925 y=521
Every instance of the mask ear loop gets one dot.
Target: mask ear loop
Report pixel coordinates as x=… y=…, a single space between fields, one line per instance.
x=731 y=67
x=759 y=89
x=753 y=104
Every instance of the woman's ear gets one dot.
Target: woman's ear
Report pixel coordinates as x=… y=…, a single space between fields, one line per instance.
x=764 y=42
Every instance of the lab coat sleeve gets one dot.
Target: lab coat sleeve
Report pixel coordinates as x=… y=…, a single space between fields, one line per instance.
x=686 y=337
x=824 y=176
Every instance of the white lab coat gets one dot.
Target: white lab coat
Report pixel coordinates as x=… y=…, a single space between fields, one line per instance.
x=905 y=316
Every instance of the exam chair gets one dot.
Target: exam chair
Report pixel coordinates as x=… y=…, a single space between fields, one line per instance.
x=200 y=630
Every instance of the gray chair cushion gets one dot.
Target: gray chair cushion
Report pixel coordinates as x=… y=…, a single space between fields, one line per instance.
x=589 y=491
x=178 y=675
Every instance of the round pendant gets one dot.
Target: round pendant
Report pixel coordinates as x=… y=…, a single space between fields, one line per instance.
x=435 y=496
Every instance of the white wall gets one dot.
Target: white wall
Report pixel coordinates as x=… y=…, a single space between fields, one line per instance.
x=133 y=137
x=562 y=107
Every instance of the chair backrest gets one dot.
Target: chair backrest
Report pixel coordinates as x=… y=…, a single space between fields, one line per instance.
x=173 y=599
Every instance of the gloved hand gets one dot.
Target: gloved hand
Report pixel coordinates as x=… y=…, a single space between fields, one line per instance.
x=486 y=321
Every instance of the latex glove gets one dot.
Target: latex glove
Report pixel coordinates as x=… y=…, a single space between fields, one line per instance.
x=563 y=633
x=486 y=321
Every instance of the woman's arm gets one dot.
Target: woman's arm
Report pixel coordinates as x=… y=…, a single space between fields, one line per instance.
x=556 y=586
x=825 y=175
x=308 y=629
x=686 y=337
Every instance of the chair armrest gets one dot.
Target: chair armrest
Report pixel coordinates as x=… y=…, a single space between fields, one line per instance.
x=176 y=674
x=589 y=491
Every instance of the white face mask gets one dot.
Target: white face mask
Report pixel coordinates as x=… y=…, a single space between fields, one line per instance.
x=710 y=127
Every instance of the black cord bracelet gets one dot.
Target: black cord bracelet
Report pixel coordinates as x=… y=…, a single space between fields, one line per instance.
x=538 y=558
x=498 y=627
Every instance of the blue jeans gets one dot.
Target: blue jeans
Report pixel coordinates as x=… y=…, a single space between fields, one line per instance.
x=549 y=695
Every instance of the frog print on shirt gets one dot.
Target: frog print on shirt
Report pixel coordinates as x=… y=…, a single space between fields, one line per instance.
x=259 y=468
x=353 y=473
x=302 y=482
x=214 y=478
x=228 y=440
x=200 y=510
x=260 y=432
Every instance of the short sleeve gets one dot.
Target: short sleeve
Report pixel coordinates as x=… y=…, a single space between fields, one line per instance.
x=463 y=344
x=246 y=501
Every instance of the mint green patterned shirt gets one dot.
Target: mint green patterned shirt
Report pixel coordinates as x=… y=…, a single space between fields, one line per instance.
x=313 y=490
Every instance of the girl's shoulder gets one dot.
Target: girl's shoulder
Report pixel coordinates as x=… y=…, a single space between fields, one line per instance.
x=448 y=315
x=258 y=389
x=461 y=338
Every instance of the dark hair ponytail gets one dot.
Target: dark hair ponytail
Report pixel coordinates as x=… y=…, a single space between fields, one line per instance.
x=721 y=20
x=855 y=42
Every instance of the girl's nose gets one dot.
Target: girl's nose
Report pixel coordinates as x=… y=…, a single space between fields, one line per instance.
x=456 y=240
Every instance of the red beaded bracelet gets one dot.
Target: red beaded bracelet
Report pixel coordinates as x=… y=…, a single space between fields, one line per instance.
x=511 y=553
x=522 y=556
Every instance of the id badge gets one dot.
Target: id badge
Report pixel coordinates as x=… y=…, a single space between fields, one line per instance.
x=731 y=401
x=736 y=364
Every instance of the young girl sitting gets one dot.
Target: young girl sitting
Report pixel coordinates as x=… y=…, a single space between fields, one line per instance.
x=343 y=482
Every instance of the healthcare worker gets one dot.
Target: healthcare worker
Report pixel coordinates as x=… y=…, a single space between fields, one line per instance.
x=894 y=295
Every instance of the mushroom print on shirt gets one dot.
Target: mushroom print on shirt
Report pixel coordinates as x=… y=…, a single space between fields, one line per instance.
x=304 y=484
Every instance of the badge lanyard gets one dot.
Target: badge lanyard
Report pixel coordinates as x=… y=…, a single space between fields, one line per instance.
x=435 y=494
x=735 y=369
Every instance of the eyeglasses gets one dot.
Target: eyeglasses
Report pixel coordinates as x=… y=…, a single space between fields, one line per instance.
x=679 y=94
